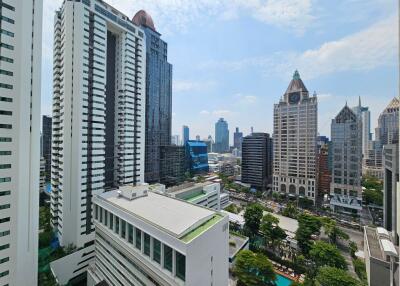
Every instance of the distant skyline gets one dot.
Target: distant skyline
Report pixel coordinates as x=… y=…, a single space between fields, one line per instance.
x=235 y=59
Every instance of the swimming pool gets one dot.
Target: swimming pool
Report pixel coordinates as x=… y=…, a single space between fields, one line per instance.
x=282 y=281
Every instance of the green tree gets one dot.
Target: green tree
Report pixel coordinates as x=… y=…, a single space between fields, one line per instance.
x=308 y=225
x=271 y=231
x=306 y=203
x=370 y=182
x=290 y=211
x=333 y=231
x=331 y=276
x=353 y=248
x=252 y=217
x=326 y=254
x=254 y=269
x=373 y=197
x=359 y=268
x=44 y=219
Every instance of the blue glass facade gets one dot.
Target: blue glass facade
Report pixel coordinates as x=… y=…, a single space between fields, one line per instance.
x=197 y=156
x=221 y=136
x=158 y=103
x=185 y=134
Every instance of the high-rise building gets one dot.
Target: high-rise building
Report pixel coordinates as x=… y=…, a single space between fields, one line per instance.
x=387 y=132
x=221 y=136
x=158 y=96
x=98 y=113
x=20 y=89
x=390 y=182
x=197 y=137
x=324 y=173
x=175 y=140
x=197 y=156
x=295 y=146
x=237 y=139
x=346 y=190
x=257 y=160
x=185 y=134
x=174 y=165
x=365 y=115
x=46 y=145
x=136 y=245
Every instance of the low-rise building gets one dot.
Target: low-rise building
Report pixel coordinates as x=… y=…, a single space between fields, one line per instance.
x=146 y=238
x=224 y=200
x=380 y=255
x=236 y=244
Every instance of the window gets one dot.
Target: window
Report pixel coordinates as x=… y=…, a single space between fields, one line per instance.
x=8 y=33
x=168 y=258
x=5 y=59
x=4 y=260
x=5 y=180
x=105 y=217
x=111 y=221
x=130 y=233
x=5 y=139
x=7 y=86
x=5 y=193
x=6 y=126
x=156 y=250
x=5 y=246
x=180 y=265
x=4 y=112
x=4 y=233
x=117 y=225
x=4 y=18
x=6 y=99
x=6 y=46
x=146 y=244
x=96 y=212
x=5 y=153
x=138 y=242
x=6 y=72
x=123 y=228
x=5 y=273
x=101 y=215
x=5 y=166
x=3 y=207
x=6 y=219
x=9 y=7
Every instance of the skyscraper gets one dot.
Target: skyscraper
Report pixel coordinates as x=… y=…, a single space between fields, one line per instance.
x=295 y=146
x=365 y=115
x=46 y=145
x=158 y=96
x=175 y=140
x=257 y=160
x=237 y=139
x=221 y=136
x=98 y=113
x=185 y=134
x=346 y=190
x=20 y=80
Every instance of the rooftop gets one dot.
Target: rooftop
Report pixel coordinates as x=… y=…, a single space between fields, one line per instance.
x=378 y=243
x=236 y=243
x=178 y=218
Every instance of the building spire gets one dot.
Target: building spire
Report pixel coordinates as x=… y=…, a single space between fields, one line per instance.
x=296 y=75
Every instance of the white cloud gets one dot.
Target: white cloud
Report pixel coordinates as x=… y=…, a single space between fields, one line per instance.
x=204 y=112
x=222 y=112
x=246 y=98
x=365 y=50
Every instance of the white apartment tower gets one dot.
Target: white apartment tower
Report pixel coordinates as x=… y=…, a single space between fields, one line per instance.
x=295 y=145
x=365 y=115
x=20 y=70
x=98 y=112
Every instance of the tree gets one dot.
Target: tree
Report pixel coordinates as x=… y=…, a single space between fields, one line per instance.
x=290 y=211
x=353 y=248
x=373 y=197
x=308 y=225
x=326 y=254
x=252 y=218
x=333 y=231
x=359 y=268
x=306 y=203
x=331 y=276
x=44 y=219
x=270 y=229
x=254 y=269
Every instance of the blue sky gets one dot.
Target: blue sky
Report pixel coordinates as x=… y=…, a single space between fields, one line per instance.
x=235 y=58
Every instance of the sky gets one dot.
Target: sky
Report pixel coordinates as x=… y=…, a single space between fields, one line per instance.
x=235 y=58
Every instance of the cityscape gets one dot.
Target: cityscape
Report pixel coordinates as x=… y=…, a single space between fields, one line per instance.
x=136 y=149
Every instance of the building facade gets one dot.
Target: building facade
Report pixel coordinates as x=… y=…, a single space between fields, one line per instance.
x=137 y=246
x=20 y=92
x=295 y=147
x=173 y=165
x=237 y=139
x=185 y=134
x=158 y=96
x=365 y=116
x=221 y=136
x=257 y=160
x=197 y=157
x=324 y=173
x=98 y=113
x=390 y=182
x=346 y=190
x=46 y=144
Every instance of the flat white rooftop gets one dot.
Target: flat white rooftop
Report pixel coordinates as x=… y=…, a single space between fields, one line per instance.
x=174 y=216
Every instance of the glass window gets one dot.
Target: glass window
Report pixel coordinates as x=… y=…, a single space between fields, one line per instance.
x=180 y=265
x=111 y=221
x=96 y=212
x=168 y=258
x=146 y=244
x=123 y=228
x=130 y=233
x=105 y=217
x=117 y=225
x=156 y=250
x=101 y=215
x=138 y=242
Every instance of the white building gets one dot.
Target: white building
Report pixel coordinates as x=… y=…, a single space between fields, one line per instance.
x=295 y=145
x=346 y=190
x=365 y=116
x=203 y=194
x=98 y=113
x=146 y=238
x=20 y=80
